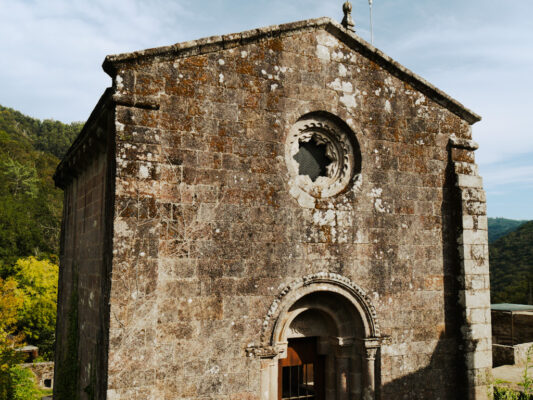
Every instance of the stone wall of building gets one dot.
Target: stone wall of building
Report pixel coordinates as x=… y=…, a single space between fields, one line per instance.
x=43 y=372
x=81 y=330
x=474 y=280
x=512 y=355
x=510 y=328
x=209 y=226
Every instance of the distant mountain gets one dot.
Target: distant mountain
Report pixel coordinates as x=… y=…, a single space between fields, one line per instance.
x=511 y=266
x=30 y=205
x=499 y=227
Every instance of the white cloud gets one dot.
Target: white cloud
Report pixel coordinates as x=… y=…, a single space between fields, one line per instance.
x=479 y=51
x=54 y=49
x=509 y=175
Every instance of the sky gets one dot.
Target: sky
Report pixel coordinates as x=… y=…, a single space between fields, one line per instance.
x=478 y=51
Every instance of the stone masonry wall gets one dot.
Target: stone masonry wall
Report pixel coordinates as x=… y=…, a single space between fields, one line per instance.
x=206 y=232
x=81 y=323
x=512 y=328
x=474 y=294
x=43 y=372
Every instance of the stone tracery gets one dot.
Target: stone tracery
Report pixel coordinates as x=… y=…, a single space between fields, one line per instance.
x=340 y=150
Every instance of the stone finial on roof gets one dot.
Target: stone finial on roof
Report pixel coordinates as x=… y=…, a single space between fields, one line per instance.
x=347 y=21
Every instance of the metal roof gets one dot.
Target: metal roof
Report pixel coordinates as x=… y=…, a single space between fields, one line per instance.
x=511 y=307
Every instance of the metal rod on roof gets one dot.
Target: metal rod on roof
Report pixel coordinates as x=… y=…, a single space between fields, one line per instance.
x=371 y=24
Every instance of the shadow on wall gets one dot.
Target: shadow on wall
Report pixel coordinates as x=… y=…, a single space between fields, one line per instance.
x=443 y=375
x=438 y=379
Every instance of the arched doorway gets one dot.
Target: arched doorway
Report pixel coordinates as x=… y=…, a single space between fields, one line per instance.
x=323 y=339
x=301 y=374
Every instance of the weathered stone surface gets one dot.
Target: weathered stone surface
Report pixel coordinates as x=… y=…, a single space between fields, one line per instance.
x=43 y=372
x=213 y=233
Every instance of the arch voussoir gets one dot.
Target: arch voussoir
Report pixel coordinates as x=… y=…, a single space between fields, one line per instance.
x=314 y=283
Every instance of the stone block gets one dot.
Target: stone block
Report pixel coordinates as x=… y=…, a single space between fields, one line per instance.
x=479 y=359
x=473 y=237
x=477 y=298
x=469 y=181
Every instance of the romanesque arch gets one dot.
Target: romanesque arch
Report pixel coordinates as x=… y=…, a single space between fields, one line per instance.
x=331 y=317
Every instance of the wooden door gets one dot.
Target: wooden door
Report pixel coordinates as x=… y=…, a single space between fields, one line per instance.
x=301 y=374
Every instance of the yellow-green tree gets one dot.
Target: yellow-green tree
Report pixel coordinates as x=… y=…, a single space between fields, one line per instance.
x=11 y=303
x=37 y=281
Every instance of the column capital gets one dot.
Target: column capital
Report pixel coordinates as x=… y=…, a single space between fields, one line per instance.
x=370 y=353
x=265 y=351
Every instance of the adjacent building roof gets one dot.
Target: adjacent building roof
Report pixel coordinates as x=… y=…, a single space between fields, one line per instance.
x=511 y=307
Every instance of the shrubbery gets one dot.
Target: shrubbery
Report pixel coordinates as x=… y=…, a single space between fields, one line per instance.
x=22 y=385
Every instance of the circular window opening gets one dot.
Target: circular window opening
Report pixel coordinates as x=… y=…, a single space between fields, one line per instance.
x=322 y=156
x=312 y=158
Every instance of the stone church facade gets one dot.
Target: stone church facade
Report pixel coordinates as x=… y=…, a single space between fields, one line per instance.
x=280 y=213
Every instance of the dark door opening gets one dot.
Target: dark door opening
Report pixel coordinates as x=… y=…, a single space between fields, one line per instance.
x=301 y=374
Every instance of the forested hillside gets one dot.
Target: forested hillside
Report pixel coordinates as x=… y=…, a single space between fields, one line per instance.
x=30 y=205
x=511 y=266
x=30 y=218
x=499 y=227
x=49 y=136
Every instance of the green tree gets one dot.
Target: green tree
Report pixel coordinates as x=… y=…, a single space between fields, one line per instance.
x=30 y=204
x=20 y=179
x=49 y=136
x=22 y=384
x=16 y=382
x=11 y=303
x=37 y=281
x=511 y=266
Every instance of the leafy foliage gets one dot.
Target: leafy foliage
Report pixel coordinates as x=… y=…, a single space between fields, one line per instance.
x=11 y=302
x=30 y=217
x=19 y=178
x=37 y=281
x=499 y=227
x=502 y=391
x=511 y=266
x=30 y=205
x=27 y=307
x=49 y=136
x=22 y=385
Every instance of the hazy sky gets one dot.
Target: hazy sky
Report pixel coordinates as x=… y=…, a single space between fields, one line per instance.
x=478 y=51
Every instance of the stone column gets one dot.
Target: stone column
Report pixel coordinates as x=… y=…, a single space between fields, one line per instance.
x=269 y=358
x=329 y=380
x=327 y=347
x=269 y=379
x=474 y=294
x=343 y=378
x=369 y=391
x=355 y=376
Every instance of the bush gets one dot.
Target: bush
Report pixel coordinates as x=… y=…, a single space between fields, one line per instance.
x=22 y=385
x=505 y=393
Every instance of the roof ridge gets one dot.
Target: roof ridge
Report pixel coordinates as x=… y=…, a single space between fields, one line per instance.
x=216 y=43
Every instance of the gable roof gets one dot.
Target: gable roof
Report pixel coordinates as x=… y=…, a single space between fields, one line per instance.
x=216 y=43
